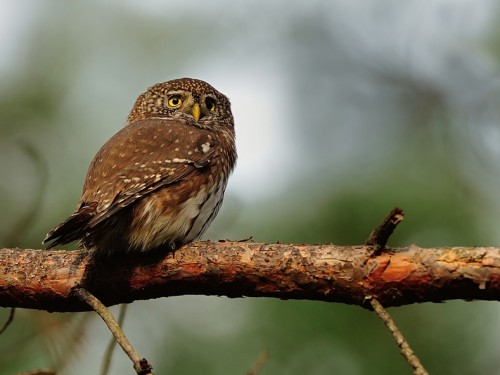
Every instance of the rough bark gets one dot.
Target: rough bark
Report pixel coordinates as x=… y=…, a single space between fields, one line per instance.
x=43 y=279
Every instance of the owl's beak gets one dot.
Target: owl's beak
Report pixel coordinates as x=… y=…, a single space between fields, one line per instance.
x=196 y=111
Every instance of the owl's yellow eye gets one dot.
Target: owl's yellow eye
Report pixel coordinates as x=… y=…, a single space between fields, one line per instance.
x=210 y=103
x=174 y=101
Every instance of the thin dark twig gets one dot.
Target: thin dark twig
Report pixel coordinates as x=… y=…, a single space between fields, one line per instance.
x=26 y=220
x=261 y=360
x=41 y=371
x=380 y=235
x=404 y=347
x=141 y=365
x=108 y=354
x=8 y=321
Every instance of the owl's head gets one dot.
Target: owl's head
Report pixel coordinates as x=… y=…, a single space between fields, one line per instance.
x=187 y=99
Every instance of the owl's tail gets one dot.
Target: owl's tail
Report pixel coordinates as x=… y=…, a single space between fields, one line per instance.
x=72 y=229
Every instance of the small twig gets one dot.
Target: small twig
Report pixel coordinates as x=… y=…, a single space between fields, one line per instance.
x=108 y=354
x=247 y=239
x=378 y=239
x=26 y=220
x=380 y=235
x=41 y=371
x=141 y=365
x=8 y=321
x=261 y=360
x=405 y=348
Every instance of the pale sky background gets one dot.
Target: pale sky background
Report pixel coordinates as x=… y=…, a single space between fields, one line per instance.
x=429 y=35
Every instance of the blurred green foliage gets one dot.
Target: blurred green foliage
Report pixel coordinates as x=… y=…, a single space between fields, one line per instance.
x=378 y=105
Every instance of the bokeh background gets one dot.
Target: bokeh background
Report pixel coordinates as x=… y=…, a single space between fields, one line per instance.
x=344 y=109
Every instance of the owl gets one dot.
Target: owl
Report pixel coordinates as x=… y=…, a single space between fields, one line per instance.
x=159 y=182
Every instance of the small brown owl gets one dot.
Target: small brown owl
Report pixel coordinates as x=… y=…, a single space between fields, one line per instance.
x=159 y=182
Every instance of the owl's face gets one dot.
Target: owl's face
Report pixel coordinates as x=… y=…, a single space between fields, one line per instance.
x=191 y=100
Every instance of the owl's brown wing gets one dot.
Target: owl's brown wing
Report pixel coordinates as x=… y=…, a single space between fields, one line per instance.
x=138 y=160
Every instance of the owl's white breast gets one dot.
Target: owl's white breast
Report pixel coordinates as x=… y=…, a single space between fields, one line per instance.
x=157 y=226
x=204 y=211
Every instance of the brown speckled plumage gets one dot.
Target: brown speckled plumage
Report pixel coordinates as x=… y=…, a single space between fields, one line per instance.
x=160 y=180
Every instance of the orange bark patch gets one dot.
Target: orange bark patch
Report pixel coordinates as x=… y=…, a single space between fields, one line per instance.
x=397 y=270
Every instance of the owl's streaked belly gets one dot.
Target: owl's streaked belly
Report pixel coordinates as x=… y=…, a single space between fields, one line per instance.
x=160 y=225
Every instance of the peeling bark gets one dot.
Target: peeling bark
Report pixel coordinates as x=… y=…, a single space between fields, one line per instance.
x=44 y=279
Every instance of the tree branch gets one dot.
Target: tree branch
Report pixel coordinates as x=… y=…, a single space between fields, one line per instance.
x=8 y=321
x=404 y=347
x=43 y=279
x=380 y=235
x=141 y=365
x=377 y=240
